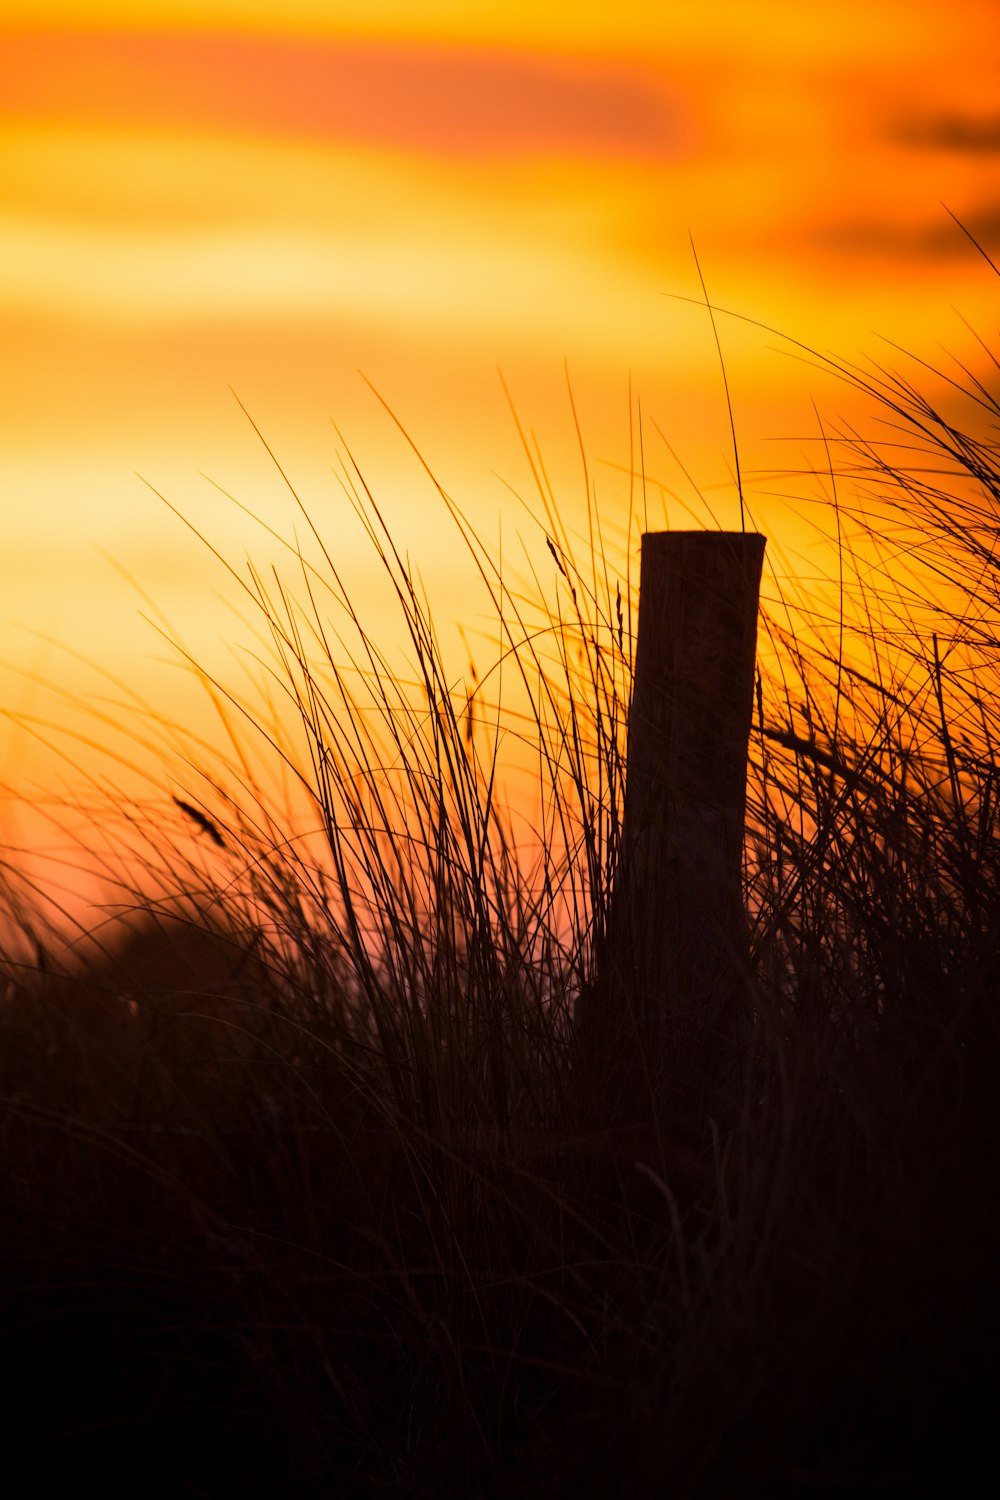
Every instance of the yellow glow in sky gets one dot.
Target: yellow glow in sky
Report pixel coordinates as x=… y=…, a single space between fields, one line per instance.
x=780 y=28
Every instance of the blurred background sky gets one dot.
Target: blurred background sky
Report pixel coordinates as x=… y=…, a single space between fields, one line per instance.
x=271 y=198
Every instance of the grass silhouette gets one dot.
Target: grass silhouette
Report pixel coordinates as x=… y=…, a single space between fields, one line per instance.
x=302 y=1187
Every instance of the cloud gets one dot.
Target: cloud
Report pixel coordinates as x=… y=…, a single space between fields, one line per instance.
x=454 y=101
x=976 y=135
x=938 y=239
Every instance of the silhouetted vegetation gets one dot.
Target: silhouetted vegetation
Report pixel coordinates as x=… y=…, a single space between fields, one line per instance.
x=302 y=1189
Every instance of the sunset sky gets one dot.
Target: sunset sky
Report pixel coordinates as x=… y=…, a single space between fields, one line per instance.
x=198 y=199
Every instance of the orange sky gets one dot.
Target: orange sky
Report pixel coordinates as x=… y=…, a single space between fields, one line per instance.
x=196 y=196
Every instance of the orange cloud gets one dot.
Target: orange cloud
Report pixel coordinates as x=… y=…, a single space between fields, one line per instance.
x=441 y=100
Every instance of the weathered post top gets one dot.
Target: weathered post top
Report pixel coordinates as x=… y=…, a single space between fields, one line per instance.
x=695 y=655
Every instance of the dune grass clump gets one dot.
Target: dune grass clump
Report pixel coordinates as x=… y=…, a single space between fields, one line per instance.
x=303 y=1187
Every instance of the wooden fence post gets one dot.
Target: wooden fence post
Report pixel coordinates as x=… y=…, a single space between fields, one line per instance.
x=676 y=950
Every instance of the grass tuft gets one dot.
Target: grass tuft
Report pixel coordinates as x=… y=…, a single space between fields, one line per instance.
x=302 y=1185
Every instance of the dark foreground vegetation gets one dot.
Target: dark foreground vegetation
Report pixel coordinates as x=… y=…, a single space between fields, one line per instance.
x=303 y=1188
